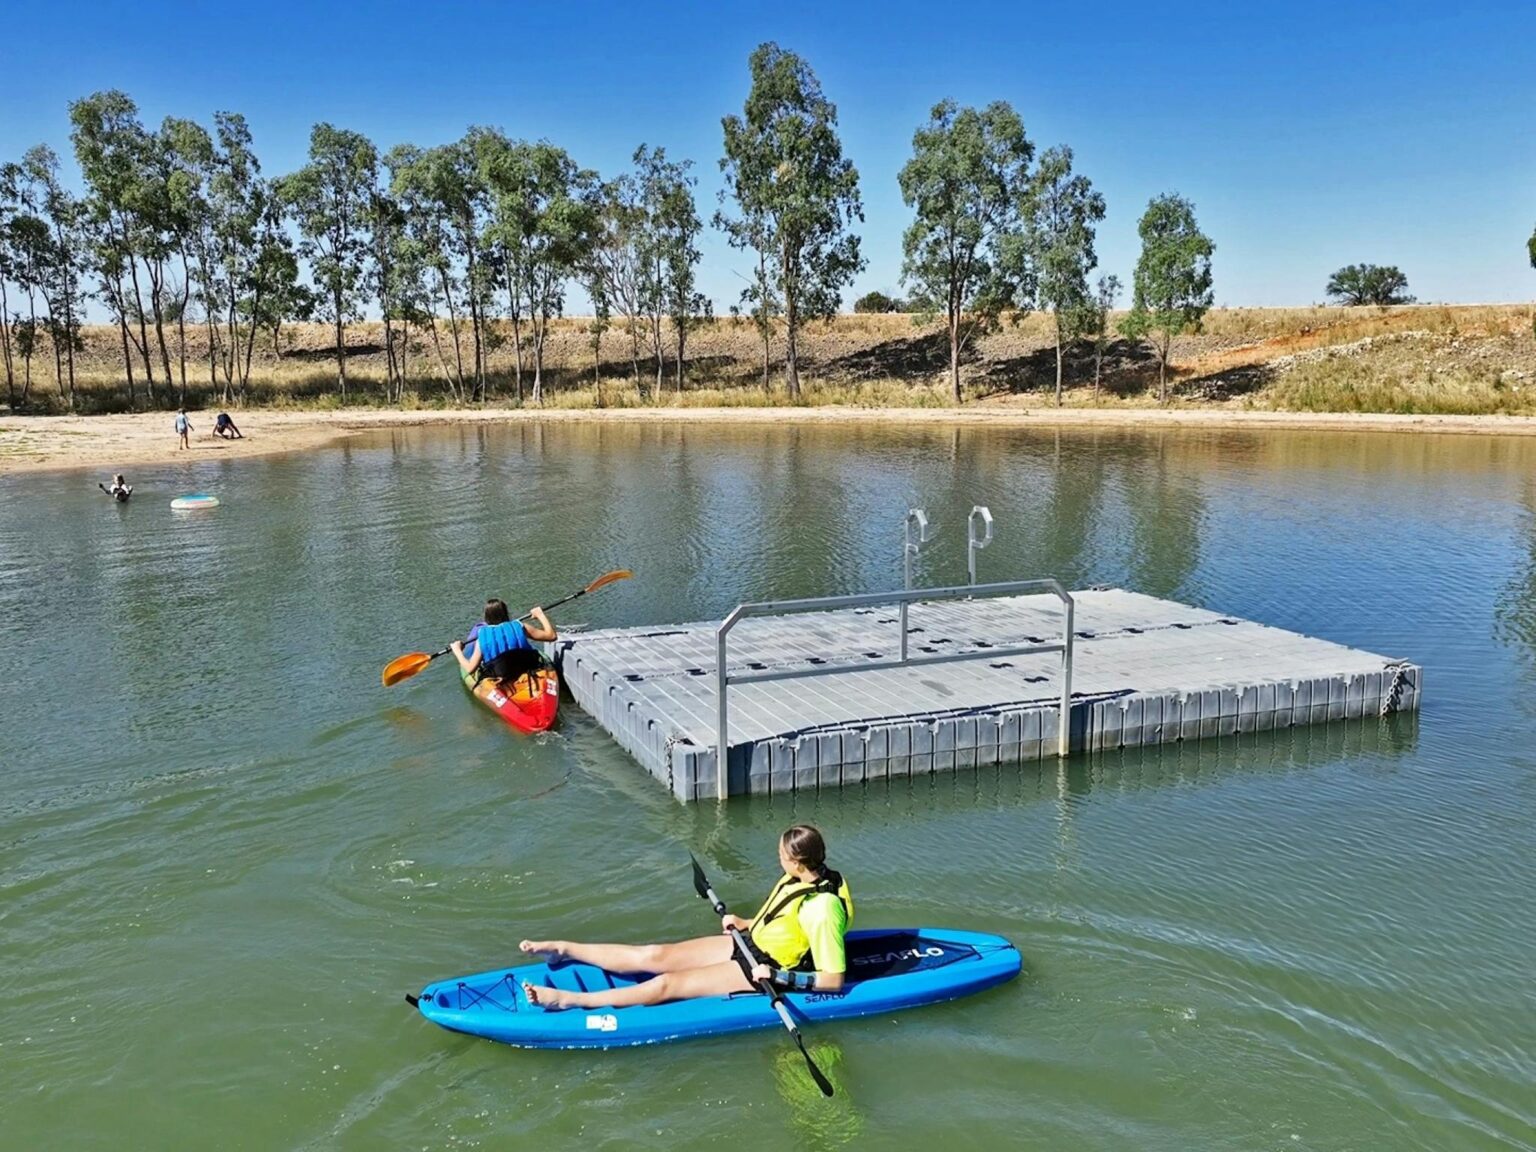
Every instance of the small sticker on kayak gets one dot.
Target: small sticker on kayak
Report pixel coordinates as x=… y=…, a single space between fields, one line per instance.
x=604 y=1023
x=496 y=698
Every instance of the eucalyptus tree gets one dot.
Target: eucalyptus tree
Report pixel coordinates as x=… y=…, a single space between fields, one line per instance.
x=1172 y=284
x=8 y=213
x=110 y=146
x=503 y=168
x=61 y=283
x=545 y=212
x=328 y=199
x=188 y=151
x=968 y=182
x=42 y=253
x=418 y=179
x=1358 y=284
x=761 y=304
x=445 y=184
x=1096 y=322
x=274 y=294
x=25 y=244
x=616 y=260
x=1059 y=232
x=796 y=194
x=388 y=266
x=670 y=254
x=246 y=225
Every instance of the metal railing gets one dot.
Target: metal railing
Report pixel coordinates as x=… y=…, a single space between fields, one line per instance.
x=974 y=541
x=724 y=678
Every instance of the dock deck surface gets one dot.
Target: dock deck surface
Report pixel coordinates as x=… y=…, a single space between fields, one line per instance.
x=1145 y=670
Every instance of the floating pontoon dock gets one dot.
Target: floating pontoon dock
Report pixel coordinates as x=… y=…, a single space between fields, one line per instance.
x=837 y=691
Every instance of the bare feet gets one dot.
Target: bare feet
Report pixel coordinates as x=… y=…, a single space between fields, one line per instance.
x=549 y=949
x=551 y=998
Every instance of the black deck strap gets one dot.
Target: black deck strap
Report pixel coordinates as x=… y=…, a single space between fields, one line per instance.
x=413 y=1001
x=476 y=998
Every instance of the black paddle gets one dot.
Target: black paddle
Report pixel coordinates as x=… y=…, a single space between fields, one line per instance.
x=701 y=886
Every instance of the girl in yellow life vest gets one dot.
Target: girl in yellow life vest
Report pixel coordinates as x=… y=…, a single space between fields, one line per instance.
x=796 y=938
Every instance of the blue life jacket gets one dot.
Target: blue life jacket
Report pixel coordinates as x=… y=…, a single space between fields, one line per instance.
x=499 y=639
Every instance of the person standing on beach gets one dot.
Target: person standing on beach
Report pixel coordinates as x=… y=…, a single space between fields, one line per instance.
x=183 y=426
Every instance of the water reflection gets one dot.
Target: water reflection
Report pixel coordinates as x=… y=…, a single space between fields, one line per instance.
x=817 y=1121
x=1515 y=608
x=1370 y=744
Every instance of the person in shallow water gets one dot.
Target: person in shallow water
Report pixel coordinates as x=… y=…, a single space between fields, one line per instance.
x=501 y=646
x=120 y=489
x=796 y=940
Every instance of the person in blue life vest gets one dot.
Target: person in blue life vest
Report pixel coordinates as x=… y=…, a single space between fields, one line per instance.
x=501 y=647
x=796 y=940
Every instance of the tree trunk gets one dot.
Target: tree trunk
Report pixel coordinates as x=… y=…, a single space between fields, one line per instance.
x=453 y=327
x=405 y=355
x=138 y=299
x=634 y=355
x=1058 y=359
x=156 y=291
x=58 y=353
x=437 y=346
x=660 y=359
x=181 y=321
x=341 y=346
x=792 y=327
x=474 y=325
x=1162 y=371
x=26 y=383
x=514 y=313
x=5 y=347
x=954 y=353
x=122 y=329
x=390 y=390
x=766 y=332
x=682 y=340
x=539 y=318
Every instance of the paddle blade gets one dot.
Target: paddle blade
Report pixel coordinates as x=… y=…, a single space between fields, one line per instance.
x=700 y=881
x=816 y=1073
x=608 y=578
x=404 y=667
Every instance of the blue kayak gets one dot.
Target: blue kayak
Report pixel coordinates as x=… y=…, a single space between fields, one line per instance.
x=888 y=970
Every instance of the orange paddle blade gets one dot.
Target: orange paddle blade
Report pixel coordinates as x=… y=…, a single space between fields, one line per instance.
x=404 y=667
x=608 y=578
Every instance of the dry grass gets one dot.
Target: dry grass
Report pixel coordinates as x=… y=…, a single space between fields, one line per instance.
x=1465 y=359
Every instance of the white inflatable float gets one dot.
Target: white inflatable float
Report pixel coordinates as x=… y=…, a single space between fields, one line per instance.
x=195 y=500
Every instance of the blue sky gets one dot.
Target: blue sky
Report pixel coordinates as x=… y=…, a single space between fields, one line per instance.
x=1308 y=135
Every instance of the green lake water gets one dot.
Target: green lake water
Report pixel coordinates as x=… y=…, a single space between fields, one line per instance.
x=226 y=852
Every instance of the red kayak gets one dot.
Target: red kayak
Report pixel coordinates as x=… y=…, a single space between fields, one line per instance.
x=528 y=702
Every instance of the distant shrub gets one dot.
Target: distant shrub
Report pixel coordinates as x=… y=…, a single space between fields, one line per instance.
x=878 y=302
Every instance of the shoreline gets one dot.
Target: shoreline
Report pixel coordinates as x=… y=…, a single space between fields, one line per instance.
x=110 y=442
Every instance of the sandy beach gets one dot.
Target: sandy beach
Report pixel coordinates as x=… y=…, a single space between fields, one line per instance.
x=113 y=442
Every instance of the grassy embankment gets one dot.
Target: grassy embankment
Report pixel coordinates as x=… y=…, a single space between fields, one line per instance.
x=1428 y=359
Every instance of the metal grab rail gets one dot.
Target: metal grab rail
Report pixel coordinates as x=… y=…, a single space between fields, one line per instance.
x=974 y=543
x=724 y=679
